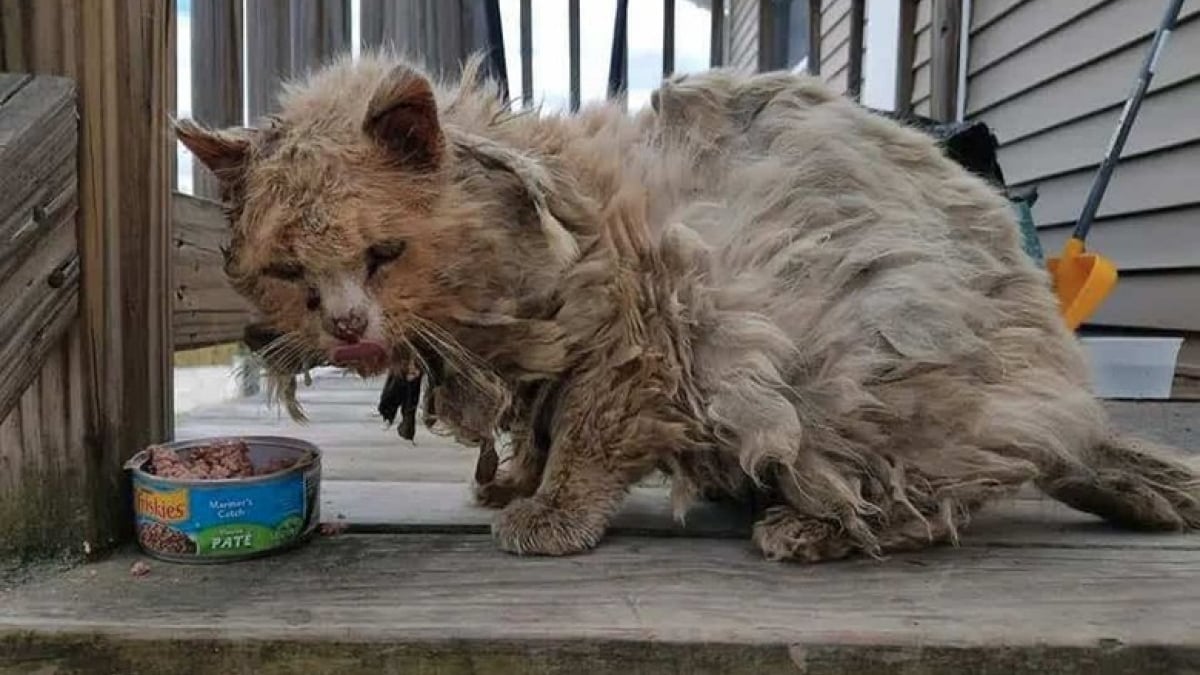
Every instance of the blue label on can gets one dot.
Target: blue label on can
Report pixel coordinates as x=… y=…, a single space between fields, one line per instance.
x=220 y=520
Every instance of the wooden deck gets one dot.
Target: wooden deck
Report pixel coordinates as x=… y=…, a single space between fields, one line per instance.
x=416 y=586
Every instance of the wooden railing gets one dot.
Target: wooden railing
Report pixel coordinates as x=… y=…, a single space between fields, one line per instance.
x=284 y=38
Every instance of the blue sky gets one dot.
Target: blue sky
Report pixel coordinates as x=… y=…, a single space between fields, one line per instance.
x=551 y=77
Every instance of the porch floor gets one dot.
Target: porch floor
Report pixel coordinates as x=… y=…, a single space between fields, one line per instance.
x=415 y=586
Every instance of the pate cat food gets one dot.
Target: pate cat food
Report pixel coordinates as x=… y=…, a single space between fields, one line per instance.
x=221 y=499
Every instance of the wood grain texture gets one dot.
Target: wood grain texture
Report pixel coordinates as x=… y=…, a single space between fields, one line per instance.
x=320 y=31
x=39 y=266
x=268 y=54
x=943 y=59
x=216 y=74
x=454 y=604
x=439 y=33
x=1029 y=520
x=120 y=54
x=207 y=310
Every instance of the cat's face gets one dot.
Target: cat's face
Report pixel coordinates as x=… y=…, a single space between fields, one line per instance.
x=343 y=231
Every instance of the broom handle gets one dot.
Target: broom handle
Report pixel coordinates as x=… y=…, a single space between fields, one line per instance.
x=1126 y=122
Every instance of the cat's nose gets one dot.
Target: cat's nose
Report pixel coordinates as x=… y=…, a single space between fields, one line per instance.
x=347 y=327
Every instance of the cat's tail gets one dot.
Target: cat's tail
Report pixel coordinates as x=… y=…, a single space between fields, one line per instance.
x=1131 y=483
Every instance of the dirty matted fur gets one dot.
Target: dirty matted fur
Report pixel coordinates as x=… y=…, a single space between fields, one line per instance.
x=755 y=285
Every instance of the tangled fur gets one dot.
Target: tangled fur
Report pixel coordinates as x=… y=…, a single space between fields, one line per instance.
x=755 y=285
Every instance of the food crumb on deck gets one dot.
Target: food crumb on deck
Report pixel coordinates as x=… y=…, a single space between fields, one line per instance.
x=139 y=569
x=332 y=529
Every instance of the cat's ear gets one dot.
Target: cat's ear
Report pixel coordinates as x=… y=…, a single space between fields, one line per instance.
x=222 y=151
x=402 y=118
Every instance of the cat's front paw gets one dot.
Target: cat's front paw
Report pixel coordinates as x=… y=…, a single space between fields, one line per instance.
x=532 y=527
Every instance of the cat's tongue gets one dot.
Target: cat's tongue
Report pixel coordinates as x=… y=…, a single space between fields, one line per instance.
x=359 y=352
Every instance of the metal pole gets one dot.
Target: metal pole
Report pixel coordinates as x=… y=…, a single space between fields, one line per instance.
x=1128 y=113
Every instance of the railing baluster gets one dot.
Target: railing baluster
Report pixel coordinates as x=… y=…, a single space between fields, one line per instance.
x=268 y=53
x=618 y=63
x=216 y=75
x=716 y=47
x=668 y=45
x=573 y=37
x=527 y=53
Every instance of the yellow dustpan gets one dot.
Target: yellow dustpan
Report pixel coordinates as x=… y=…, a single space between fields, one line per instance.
x=1083 y=280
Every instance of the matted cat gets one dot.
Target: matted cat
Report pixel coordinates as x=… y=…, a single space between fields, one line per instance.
x=754 y=285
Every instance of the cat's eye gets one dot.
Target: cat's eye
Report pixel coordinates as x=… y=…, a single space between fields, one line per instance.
x=382 y=253
x=288 y=271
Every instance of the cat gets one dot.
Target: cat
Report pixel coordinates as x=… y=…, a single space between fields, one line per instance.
x=753 y=285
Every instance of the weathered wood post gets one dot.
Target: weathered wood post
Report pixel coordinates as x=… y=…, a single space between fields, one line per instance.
x=121 y=55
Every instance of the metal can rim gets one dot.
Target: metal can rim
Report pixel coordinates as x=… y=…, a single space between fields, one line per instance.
x=311 y=457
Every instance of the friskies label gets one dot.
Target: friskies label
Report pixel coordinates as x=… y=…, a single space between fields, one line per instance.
x=168 y=507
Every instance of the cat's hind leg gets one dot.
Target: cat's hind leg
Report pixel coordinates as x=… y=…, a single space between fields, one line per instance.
x=901 y=506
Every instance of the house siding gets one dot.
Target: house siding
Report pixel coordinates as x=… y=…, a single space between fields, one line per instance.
x=835 y=27
x=1050 y=78
x=743 y=35
x=922 y=56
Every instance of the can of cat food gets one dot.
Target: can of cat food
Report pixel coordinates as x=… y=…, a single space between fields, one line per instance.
x=225 y=499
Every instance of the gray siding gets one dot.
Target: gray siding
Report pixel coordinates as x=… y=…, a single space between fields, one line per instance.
x=743 y=35
x=922 y=52
x=836 y=18
x=1050 y=77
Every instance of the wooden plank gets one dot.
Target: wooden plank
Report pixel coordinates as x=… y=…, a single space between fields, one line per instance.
x=320 y=31
x=1165 y=240
x=207 y=310
x=1091 y=38
x=1100 y=85
x=905 y=55
x=1155 y=181
x=10 y=83
x=120 y=53
x=453 y=604
x=268 y=54
x=41 y=303
x=407 y=507
x=1021 y=27
x=573 y=38
x=38 y=141
x=716 y=34
x=814 y=38
x=854 y=74
x=217 y=27
x=943 y=60
x=526 y=24
x=1166 y=119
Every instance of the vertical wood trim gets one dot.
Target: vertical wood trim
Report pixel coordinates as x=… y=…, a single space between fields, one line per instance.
x=573 y=29
x=716 y=35
x=946 y=20
x=527 y=53
x=371 y=19
x=216 y=75
x=905 y=54
x=814 y=37
x=854 y=67
x=668 y=41
x=268 y=53
x=320 y=30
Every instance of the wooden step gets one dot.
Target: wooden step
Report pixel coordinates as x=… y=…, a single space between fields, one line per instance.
x=1034 y=588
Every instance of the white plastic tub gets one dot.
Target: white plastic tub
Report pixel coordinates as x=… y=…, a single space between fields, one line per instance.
x=1132 y=367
